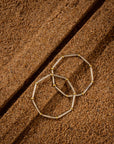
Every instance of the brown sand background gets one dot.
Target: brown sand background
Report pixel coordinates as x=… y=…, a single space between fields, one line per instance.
x=34 y=35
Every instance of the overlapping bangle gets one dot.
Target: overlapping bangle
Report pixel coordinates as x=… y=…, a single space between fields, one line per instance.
x=53 y=75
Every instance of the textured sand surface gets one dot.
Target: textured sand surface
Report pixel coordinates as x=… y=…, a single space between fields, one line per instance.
x=91 y=120
x=22 y=61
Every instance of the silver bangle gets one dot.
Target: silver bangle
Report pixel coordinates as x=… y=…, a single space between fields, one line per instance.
x=36 y=106
x=67 y=56
x=74 y=95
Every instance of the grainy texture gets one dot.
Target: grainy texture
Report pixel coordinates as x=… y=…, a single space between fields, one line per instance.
x=20 y=21
x=24 y=60
x=91 y=119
